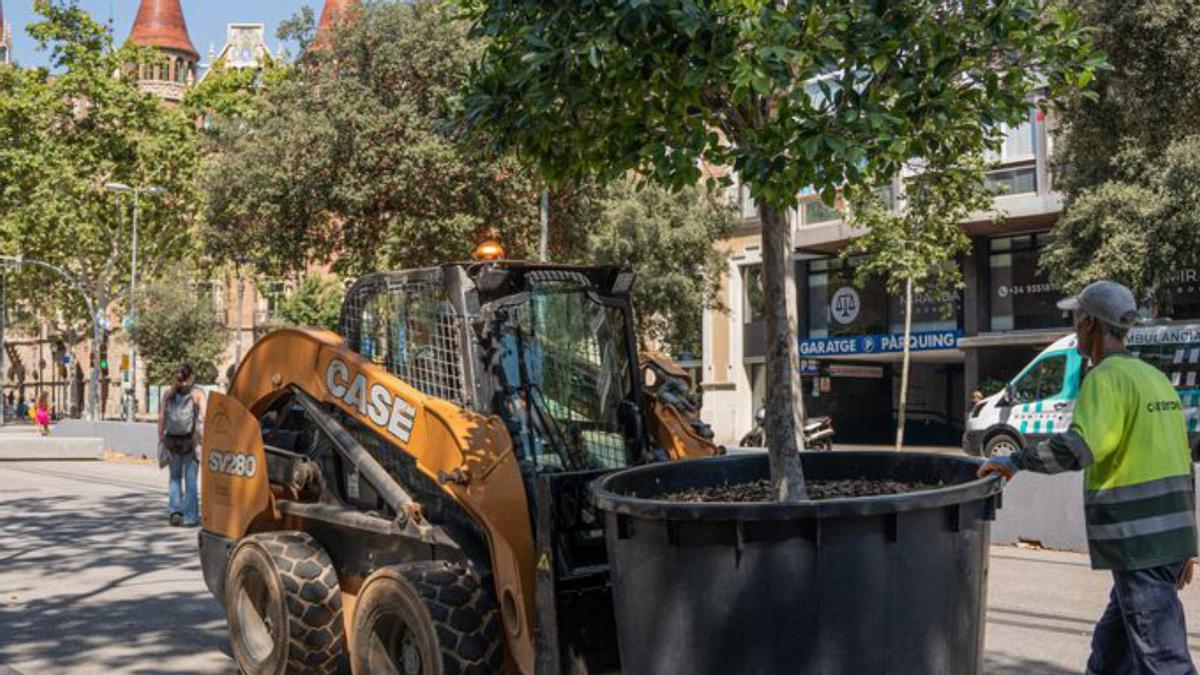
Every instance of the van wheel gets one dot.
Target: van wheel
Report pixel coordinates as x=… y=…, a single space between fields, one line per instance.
x=427 y=618
x=1000 y=445
x=284 y=606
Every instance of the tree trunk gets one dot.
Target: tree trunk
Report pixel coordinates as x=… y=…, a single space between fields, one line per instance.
x=784 y=424
x=908 y=301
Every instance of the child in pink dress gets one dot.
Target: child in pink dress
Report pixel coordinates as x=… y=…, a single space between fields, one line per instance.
x=42 y=413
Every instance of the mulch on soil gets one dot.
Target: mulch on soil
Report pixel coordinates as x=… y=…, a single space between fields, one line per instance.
x=762 y=491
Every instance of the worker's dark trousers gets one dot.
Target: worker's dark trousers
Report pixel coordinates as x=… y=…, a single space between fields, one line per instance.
x=1142 y=632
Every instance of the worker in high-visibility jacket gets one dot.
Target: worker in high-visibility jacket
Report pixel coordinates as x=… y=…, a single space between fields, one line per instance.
x=1129 y=438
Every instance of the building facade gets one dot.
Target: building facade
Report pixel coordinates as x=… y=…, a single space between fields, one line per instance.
x=851 y=335
x=6 y=38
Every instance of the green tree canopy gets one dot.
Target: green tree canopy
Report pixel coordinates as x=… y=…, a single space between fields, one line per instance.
x=316 y=302
x=1127 y=158
x=353 y=158
x=177 y=324
x=832 y=94
x=667 y=237
x=63 y=137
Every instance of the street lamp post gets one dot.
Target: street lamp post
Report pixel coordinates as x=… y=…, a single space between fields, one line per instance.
x=121 y=188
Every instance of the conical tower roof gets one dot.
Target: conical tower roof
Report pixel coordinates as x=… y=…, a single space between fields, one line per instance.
x=160 y=23
x=333 y=13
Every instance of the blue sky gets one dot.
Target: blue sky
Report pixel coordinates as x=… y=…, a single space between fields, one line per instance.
x=206 y=20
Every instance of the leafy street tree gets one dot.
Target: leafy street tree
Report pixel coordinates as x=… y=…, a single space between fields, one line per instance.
x=1128 y=159
x=62 y=138
x=178 y=324
x=668 y=238
x=833 y=94
x=913 y=249
x=353 y=157
x=316 y=302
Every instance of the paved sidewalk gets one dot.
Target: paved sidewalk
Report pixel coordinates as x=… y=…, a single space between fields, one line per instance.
x=1041 y=609
x=93 y=581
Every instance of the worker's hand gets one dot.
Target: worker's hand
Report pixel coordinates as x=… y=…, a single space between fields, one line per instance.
x=1002 y=465
x=1185 y=577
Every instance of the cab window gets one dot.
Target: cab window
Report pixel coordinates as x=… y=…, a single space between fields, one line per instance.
x=1044 y=380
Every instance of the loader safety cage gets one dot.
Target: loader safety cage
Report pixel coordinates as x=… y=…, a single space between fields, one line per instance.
x=550 y=348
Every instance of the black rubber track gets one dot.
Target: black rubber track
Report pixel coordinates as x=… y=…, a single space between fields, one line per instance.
x=312 y=602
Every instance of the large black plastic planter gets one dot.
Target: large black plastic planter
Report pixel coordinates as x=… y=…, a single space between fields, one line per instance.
x=876 y=585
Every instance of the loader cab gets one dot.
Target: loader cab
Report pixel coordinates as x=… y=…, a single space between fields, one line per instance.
x=551 y=349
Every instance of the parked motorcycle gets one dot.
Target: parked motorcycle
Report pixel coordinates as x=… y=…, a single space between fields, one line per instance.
x=818 y=433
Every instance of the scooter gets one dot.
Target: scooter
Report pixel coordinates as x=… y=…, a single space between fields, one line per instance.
x=818 y=432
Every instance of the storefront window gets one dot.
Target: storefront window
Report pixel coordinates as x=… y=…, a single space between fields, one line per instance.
x=930 y=312
x=836 y=306
x=1020 y=294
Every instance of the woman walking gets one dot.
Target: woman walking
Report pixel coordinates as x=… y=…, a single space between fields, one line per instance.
x=180 y=425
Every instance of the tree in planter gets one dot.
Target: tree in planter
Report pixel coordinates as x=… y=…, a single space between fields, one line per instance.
x=832 y=94
x=913 y=249
x=316 y=302
x=177 y=324
x=1128 y=159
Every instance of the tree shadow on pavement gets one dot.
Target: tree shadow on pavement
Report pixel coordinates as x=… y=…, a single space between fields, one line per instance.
x=102 y=584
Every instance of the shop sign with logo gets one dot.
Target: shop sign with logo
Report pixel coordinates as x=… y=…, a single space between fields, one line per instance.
x=844 y=305
x=883 y=343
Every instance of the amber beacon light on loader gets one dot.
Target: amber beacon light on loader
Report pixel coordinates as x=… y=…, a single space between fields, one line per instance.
x=409 y=496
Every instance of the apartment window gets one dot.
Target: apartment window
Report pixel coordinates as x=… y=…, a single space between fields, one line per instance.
x=270 y=296
x=753 y=304
x=815 y=212
x=739 y=196
x=1015 y=181
x=1015 y=162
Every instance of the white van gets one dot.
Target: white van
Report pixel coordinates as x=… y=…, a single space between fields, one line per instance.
x=1039 y=401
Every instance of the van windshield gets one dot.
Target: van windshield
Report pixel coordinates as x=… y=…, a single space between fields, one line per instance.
x=1044 y=380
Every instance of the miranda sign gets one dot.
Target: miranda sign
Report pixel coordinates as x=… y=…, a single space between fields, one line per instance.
x=882 y=343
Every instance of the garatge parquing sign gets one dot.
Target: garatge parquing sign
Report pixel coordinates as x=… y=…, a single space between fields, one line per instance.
x=883 y=343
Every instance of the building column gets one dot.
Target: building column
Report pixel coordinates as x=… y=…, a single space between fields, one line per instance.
x=975 y=306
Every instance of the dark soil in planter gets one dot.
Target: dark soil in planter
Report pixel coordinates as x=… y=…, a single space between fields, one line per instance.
x=762 y=491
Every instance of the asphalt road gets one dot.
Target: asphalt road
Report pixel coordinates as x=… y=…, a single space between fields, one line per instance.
x=92 y=580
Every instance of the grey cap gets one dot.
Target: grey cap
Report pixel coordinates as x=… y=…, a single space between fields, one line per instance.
x=1107 y=301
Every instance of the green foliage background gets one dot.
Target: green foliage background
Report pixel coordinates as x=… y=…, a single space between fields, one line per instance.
x=176 y=324
x=1129 y=159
